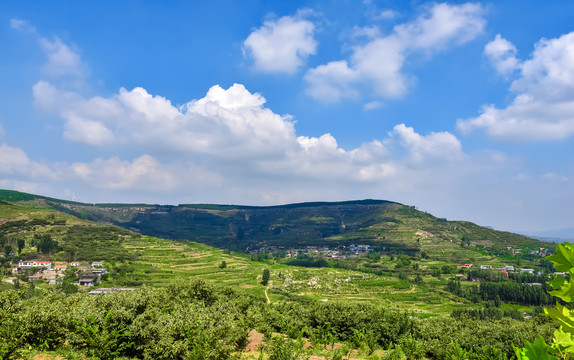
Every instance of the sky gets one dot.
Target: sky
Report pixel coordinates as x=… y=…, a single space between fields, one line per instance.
x=462 y=109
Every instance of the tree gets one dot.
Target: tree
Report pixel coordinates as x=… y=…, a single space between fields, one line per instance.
x=563 y=342
x=223 y=265
x=21 y=244
x=46 y=244
x=7 y=249
x=265 y=278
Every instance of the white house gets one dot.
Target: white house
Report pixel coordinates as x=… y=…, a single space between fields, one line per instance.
x=28 y=264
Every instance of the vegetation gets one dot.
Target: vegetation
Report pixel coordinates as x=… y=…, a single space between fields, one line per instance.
x=195 y=320
x=562 y=343
x=389 y=226
x=399 y=301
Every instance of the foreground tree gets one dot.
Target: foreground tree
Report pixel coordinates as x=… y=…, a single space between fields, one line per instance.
x=563 y=342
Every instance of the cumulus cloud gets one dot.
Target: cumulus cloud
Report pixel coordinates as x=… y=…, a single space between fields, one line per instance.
x=144 y=172
x=436 y=145
x=378 y=65
x=62 y=60
x=232 y=120
x=333 y=81
x=15 y=162
x=281 y=45
x=230 y=132
x=543 y=106
x=502 y=55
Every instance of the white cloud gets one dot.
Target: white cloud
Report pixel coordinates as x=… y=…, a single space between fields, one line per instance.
x=332 y=81
x=87 y=131
x=145 y=172
x=378 y=65
x=369 y=32
x=442 y=145
x=48 y=97
x=502 y=55
x=543 y=107
x=282 y=45
x=554 y=177
x=62 y=60
x=2 y=132
x=22 y=25
x=372 y=105
x=231 y=133
x=442 y=25
x=387 y=14
x=15 y=162
x=231 y=121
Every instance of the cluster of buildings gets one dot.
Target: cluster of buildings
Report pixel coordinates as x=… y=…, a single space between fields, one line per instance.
x=339 y=252
x=504 y=269
x=90 y=273
x=540 y=252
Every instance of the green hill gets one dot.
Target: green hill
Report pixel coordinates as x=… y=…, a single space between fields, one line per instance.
x=390 y=227
x=408 y=287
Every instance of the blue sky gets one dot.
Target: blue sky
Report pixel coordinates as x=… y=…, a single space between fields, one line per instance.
x=463 y=109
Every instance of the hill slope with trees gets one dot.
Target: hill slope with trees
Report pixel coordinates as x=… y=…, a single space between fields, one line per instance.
x=390 y=226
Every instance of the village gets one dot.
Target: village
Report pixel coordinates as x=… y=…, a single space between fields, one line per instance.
x=89 y=274
x=338 y=252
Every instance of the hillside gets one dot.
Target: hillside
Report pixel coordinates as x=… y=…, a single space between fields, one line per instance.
x=388 y=226
x=403 y=281
x=345 y=299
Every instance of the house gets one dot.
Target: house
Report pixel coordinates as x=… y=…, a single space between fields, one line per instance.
x=99 y=271
x=29 y=264
x=60 y=267
x=508 y=268
x=35 y=278
x=485 y=267
x=528 y=271
x=103 y=291
x=466 y=266
x=97 y=264
x=74 y=264
x=87 y=280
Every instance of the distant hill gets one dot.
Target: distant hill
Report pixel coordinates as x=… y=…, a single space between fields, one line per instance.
x=557 y=235
x=389 y=226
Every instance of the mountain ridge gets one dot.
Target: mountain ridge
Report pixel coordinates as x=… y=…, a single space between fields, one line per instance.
x=386 y=225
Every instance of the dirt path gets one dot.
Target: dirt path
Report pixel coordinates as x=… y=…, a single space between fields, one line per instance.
x=267 y=296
